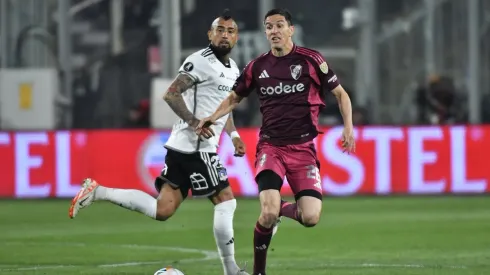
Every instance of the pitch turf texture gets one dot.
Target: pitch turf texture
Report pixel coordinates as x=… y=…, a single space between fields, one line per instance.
x=379 y=236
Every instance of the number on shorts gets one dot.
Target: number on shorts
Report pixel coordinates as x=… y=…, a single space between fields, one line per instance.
x=216 y=162
x=165 y=169
x=313 y=173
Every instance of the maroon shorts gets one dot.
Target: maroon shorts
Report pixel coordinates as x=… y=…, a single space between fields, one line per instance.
x=297 y=162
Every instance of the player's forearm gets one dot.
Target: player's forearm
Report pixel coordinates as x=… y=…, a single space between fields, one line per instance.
x=174 y=99
x=227 y=105
x=177 y=104
x=230 y=125
x=345 y=107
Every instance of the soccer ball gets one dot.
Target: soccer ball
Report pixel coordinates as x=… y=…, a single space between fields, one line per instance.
x=168 y=271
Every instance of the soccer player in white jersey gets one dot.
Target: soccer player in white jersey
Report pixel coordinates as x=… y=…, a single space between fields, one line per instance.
x=204 y=81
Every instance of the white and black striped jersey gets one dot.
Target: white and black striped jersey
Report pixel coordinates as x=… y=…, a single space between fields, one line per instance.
x=214 y=82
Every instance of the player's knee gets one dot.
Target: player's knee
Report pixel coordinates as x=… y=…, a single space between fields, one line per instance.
x=224 y=195
x=164 y=212
x=268 y=218
x=310 y=219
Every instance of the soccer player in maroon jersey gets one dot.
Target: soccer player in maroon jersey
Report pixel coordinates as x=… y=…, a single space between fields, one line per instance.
x=291 y=83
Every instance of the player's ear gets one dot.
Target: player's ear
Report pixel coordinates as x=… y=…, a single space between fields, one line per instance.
x=210 y=33
x=291 y=30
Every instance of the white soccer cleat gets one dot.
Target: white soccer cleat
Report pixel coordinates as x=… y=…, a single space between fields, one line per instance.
x=84 y=197
x=242 y=271
x=276 y=226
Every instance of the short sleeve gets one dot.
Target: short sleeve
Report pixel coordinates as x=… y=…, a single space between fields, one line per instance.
x=245 y=83
x=195 y=66
x=328 y=77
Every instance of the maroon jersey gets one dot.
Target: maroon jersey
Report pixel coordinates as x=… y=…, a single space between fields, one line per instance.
x=291 y=91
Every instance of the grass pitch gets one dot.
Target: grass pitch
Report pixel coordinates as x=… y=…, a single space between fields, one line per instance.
x=378 y=236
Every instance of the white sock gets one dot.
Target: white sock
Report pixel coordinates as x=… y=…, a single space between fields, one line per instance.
x=131 y=199
x=223 y=234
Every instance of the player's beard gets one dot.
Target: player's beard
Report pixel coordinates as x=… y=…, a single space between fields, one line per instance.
x=220 y=51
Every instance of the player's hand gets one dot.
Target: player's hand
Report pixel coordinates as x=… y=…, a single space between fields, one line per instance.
x=239 y=147
x=204 y=127
x=348 y=141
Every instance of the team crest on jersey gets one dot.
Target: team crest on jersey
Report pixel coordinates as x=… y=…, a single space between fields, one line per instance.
x=324 y=67
x=296 y=71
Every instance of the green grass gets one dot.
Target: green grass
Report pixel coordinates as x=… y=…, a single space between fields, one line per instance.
x=378 y=236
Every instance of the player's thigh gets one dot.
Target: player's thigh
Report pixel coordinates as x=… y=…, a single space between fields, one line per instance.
x=303 y=176
x=172 y=185
x=302 y=171
x=168 y=201
x=269 y=167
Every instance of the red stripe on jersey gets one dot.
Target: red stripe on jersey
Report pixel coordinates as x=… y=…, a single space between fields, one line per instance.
x=311 y=53
x=313 y=73
x=315 y=93
x=248 y=74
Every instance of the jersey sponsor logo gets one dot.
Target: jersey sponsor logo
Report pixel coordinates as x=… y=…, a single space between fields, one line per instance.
x=296 y=71
x=224 y=88
x=264 y=74
x=188 y=66
x=324 y=67
x=283 y=89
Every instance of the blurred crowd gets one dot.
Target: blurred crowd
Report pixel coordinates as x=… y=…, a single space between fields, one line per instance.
x=114 y=92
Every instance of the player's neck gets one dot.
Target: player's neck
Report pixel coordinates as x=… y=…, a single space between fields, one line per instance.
x=284 y=50
x=222 y=55
x=225 y=59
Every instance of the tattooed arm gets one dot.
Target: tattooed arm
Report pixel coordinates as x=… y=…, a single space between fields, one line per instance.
x=173 y=97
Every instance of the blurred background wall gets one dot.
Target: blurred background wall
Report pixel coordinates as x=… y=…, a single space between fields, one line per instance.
x=104 y=64
x=403 y=61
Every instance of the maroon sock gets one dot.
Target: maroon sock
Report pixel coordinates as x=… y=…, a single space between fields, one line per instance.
x=262 y=239
x=290 y=210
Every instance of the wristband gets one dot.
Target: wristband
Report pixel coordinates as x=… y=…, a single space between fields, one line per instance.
x=234 y=134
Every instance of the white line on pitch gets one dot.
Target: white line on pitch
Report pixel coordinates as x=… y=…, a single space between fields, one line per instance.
x=208 y=255
x=361 y=265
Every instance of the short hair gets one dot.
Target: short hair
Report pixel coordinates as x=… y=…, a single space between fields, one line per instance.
x=225 y=15
x=280 y=11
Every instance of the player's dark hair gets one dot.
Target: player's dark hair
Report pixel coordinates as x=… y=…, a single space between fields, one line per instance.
x=226 y=15
x=280 y=11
